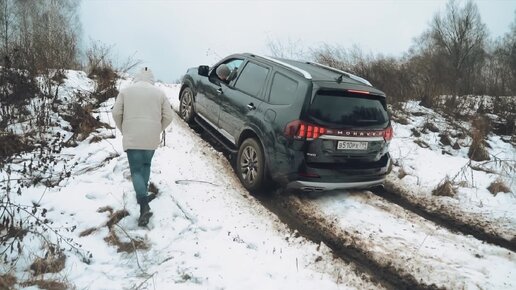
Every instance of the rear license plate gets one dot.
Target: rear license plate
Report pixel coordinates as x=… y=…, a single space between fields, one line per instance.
x=350 y=145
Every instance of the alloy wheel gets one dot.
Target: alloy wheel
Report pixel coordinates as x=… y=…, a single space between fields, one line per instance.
x=186 y=105
x=249 y=164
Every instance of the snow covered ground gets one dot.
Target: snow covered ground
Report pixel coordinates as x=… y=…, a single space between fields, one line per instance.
x=424 y=168
x=395 y=237
x=207 y=232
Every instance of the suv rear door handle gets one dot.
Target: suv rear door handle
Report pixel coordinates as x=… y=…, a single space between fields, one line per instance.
x=251 y=106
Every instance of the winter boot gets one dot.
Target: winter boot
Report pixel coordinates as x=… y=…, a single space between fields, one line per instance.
x=145 y=214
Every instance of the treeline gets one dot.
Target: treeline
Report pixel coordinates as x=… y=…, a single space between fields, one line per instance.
x=455 y=56
x=38 y=41
x=39 y=35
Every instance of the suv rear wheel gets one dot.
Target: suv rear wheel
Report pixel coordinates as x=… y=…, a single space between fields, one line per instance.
x=250 y=165
x=186 y=110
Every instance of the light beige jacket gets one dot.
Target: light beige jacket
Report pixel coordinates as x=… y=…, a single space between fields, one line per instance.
x=141 y=112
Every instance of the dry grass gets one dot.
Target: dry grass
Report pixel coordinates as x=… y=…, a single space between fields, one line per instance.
x=106 y=208
x=445 y=188
x=477 y=151
x=52 y=263
x=116 y=217
x=127 y=247
x=498 y=186
x=47 y=284
x=82 y=121
x=7 y=281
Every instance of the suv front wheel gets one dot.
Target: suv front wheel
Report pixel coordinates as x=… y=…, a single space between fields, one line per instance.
x=186 y=110
x=250 y=165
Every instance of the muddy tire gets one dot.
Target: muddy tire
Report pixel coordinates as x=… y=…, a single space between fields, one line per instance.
x=186 y=110
x=250 y=165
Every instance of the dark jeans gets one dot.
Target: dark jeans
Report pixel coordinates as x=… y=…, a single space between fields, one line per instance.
x=140 y=163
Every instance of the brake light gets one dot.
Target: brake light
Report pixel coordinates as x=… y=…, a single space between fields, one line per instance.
x=389 y=133
x=301 y=130
x=359 y=92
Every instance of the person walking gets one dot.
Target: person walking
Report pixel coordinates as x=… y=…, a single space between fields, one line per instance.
x=141 y=112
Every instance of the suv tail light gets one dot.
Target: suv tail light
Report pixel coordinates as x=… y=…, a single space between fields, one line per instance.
x=301 y=130
x=388 y=134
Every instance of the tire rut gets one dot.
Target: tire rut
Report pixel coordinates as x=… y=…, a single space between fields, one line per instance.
x=290 y=210
x=446 y=220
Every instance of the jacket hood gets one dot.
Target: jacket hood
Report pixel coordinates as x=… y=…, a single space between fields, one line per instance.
x=144 y=75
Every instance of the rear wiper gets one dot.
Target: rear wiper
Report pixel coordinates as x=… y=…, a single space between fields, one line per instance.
x=339 y=79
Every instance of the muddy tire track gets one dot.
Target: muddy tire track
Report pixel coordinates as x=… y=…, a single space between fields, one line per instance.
x=291 y=210
x=443 y=218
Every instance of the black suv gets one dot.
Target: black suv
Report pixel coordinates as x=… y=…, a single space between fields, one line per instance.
x=302 y=124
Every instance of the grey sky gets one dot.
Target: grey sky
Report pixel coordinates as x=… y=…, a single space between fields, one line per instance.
x=170 y=36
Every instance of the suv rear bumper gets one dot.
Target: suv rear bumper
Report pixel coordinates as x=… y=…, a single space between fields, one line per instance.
x=325 y=178
x=324 y=186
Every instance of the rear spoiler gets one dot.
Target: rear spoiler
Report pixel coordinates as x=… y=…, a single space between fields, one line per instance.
x=349 y=75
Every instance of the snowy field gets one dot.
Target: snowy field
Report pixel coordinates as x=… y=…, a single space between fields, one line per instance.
x=424 y=168
x=207 y=232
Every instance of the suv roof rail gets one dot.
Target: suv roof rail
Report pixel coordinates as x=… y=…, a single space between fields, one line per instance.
x=306 y=74
x=350 y=75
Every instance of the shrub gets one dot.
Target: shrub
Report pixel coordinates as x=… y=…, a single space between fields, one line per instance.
x=498 y=186
x=7 y=281
x=11 y=144
x=445 y=188
x=81 y=120
x=51 y=263
x=477 y=151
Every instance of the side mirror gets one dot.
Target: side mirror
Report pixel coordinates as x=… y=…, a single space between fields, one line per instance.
x=203 y=70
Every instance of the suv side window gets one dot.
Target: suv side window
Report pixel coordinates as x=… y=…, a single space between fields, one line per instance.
x=283 y=90
x=233 y=65
x=252 y=79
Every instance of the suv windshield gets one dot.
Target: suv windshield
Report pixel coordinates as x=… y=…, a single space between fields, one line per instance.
x=342 y=109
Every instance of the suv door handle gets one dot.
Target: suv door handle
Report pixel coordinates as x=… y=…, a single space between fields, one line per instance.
x=219 y=91
x=251 y=106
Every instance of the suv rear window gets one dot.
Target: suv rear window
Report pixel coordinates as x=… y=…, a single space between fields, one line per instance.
x=344 y=109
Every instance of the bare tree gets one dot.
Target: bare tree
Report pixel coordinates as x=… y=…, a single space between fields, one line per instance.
x=459 y=37
x=48 y=34
x=292 y=49
x=6 y=30
x=510 y=40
